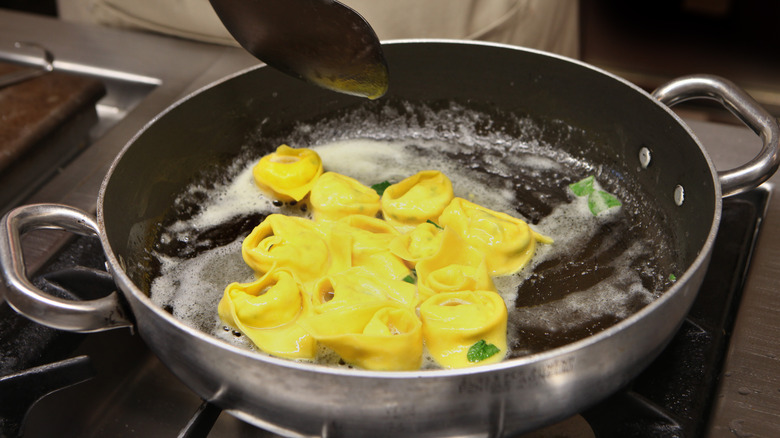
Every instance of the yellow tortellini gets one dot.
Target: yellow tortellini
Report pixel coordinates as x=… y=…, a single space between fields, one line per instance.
x=335 y=196
x=417 y=199
x=507 y=242
x=375 y=336
x=267 y=311
x=453 y=322
x=289 y=173
x=292 y=243
x=420 y=243
x=370 y=238
x=456 y=266
x=378 y=292
x=360 y=285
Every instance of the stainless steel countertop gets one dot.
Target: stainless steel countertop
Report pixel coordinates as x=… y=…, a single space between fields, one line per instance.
x=748 y=400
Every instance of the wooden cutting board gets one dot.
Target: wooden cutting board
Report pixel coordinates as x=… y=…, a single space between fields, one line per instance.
x=34 y=109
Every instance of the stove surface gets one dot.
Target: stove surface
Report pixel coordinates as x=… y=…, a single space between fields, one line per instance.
x=152 y=72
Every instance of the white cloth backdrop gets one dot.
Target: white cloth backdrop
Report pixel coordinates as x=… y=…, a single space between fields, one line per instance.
x=550 y=25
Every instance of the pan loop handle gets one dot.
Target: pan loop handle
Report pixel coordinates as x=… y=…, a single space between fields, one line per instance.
x=76 y=316
x=744 y=107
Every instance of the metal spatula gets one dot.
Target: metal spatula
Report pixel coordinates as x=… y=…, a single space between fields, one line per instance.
x=320 y=41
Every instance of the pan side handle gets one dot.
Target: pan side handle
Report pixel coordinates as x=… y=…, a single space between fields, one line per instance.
x=744 y=107
x=21 y=294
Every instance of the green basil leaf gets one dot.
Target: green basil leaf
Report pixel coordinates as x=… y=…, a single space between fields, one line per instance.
x=409 y=279
x=434 y=224
x=380 y=187
x=583 y=187
x=600 y=200
x=481 y=351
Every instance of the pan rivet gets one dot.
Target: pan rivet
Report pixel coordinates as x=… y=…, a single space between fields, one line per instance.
x=679 y=195
x=644 y=157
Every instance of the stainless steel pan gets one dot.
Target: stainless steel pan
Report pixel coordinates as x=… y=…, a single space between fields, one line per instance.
x=628 y=132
